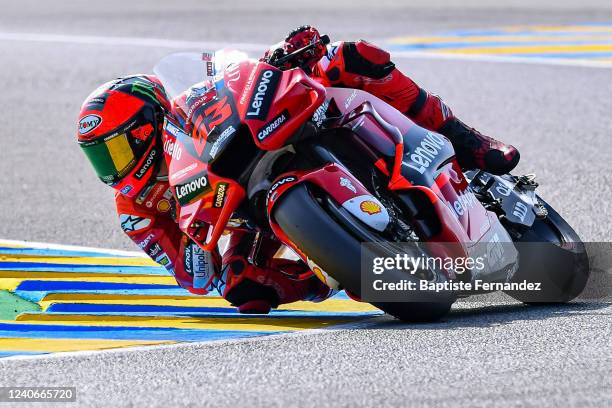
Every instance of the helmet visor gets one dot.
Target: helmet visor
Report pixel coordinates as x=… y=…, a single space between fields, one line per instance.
x=112 y=157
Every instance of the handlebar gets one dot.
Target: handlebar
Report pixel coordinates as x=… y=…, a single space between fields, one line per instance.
x=324 y=40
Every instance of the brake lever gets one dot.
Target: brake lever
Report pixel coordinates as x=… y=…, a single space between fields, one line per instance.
x=323 y=41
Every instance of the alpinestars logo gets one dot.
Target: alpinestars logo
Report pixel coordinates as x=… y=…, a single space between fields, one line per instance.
x=273 y=126
x=131 y=223
x=262 y=95
x=188 y=191
x=89 y=123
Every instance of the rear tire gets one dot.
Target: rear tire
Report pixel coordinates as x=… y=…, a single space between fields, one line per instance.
x=338 y=252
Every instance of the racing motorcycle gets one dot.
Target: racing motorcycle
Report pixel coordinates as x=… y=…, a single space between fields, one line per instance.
x=325 y=170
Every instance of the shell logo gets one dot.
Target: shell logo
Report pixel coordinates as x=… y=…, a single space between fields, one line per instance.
x=370 y=207
x=163 y=206
x=322 y=275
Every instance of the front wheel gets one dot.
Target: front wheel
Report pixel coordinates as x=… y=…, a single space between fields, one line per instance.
x=313 y=229
x=551 y=254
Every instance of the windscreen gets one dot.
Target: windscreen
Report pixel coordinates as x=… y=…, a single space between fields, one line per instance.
x=178 y=72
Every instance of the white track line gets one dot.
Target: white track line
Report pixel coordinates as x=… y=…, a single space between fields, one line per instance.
x=511 y=60
x=258 y=48
x=127 y=41
x=40 y=245
x=362 y=324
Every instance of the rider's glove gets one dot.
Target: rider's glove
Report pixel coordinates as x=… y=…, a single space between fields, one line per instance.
x=301 y=37
x=273 y=54
x=298 y=38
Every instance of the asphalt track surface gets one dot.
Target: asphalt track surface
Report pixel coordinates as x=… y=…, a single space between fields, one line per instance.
x=481 y=355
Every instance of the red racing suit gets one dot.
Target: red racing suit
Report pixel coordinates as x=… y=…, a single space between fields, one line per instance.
x=149 y=218
x=364 y=66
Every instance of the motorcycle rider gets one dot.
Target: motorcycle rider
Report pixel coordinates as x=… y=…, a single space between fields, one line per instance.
x=119 y=130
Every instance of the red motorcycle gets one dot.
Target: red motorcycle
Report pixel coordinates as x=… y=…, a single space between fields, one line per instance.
x=325 y=170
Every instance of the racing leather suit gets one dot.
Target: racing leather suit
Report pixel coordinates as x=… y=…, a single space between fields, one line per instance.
x=149 y=220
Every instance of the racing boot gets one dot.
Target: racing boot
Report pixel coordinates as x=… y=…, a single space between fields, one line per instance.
x=275 y=281
x=473 y=149
x=477 y=151
x=255 y=289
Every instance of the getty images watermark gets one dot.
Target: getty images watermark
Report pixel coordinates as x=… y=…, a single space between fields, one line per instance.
x=447 y=265
x=420 y=271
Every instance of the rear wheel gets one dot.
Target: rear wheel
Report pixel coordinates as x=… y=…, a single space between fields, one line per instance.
x=552 y=254
x=320 y=233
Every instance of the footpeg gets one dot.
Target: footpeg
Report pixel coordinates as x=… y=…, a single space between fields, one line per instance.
x=539 y=210
x=527 y=182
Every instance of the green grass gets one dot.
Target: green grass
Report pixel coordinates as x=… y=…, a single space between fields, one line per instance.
x=12 y=305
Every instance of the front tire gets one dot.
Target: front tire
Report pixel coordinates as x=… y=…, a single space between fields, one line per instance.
x=338 y=252
x=551 y=253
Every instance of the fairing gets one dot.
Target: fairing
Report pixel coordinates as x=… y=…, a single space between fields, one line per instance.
x=251 y=103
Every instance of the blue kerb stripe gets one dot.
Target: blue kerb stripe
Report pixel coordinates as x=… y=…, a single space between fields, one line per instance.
x=143 y=270
x=59 y=252
x=44 y=266
x=154 y=310
x=463 y=45
x=135 y=270
x=67 y=332
x=604 y=24
x=37 y=296
x=340 y=295
x=27 y=327
x=569 y=55
x=18 y=353
x=525 y=33
x=117 y=308
x=34 y=285
x=220 y=317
